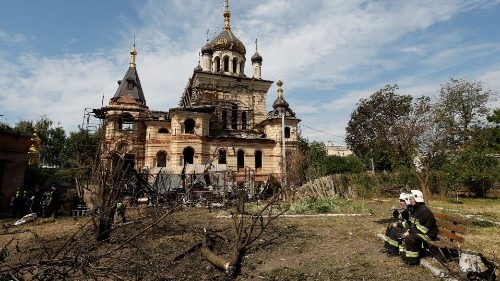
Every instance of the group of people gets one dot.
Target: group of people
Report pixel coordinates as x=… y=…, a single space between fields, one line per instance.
x=43 y=204
x=414 y=228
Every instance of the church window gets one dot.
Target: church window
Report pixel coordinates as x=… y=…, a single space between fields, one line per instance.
x=224 y=119
x=226 y=64
x=258 y=159
x=189 y=125
x=163 y=131
x=161 y=159
x=287 y=132
x=222 y=156
x=243 y=120
x=235 y=65
x=126 y=122
x=242 y=67
x=234 y=117
x=217 y=64
x=188 y=154
x=241 y=159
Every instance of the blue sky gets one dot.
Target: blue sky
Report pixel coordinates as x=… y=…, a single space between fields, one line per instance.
x=60 y=56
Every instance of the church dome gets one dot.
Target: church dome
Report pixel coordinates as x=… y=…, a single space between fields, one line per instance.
x=257 y=57
x=207 y=49
x=228 y=41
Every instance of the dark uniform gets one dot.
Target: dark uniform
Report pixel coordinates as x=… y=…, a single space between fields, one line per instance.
x=423 y=229
x=394 y=233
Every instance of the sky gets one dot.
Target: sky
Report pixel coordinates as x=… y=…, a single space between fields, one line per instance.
x=58 y=57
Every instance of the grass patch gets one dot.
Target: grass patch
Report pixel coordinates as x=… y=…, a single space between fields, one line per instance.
x=328 y=206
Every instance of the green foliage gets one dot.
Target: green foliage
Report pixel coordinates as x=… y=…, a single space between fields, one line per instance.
x=79 y=154
x=461 y=107
x=343 y=164
x=317 y=155
x=371 y=130
x=326 y=206
x=474 y=169
x=51 y=135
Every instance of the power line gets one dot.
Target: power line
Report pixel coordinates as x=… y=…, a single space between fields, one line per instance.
x=321 y=131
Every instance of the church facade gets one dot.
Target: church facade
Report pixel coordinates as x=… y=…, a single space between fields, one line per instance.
x=221 y=118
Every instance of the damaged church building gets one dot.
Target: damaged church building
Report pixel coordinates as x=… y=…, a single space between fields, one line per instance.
x=221 y=118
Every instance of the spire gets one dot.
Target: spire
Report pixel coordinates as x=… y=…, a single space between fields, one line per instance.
x=256 y=57
x=133 y=53
x=227 y=16
x=280 y=89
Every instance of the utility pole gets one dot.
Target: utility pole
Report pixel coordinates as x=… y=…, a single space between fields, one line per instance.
x=283 y=152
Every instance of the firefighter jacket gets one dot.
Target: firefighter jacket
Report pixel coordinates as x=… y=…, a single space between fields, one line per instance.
x=403 y=217
x=424 y=224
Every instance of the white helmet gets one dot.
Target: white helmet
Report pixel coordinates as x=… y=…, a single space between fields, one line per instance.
x=418 y=195
x=405 y=197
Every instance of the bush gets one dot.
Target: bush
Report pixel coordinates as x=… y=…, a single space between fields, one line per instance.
x=474 y=169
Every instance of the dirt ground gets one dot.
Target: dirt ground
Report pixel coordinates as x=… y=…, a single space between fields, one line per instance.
x=315 y=248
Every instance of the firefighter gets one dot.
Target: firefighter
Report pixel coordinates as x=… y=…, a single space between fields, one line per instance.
x=422 y=230
x=394 y=234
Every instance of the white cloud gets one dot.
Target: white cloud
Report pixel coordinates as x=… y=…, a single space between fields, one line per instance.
x=341 y=47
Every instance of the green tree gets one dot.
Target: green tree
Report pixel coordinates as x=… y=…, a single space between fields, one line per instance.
x=78 y=157
x=52 y=137
x=371 y=131
x=316 y=157
x=343 y=164
x=459 y=111
x=474 y=169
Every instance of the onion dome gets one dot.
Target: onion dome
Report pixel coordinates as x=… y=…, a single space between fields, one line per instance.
x=280 y=101
x=257 y=58
x=198 y=67
x=226 y=40
x=280 y=106
x=207 y=49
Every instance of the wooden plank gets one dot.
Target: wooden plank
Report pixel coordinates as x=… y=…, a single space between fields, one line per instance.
x=443 y=244
x=451 y=227
x=451 y=218
x=451 y=236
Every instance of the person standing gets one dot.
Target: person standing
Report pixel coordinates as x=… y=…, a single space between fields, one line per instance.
x=423 y=229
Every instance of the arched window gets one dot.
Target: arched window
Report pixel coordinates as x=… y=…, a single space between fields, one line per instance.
x=224 y=119
x=287 y=132
x=222 y=156
x=189 y=125
x=188 y=154
x=126 y=122
x=235 y=65
x=161 y=159
x=241 y=159
x=163 y=131
x=258 y=159
x=217 y=64
x=226 y=64
x=242 y=67
x=243 y=120
x=234 y=117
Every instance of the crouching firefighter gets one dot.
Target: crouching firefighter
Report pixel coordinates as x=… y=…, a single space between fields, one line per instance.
x=422 y=230
x=394 y=234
